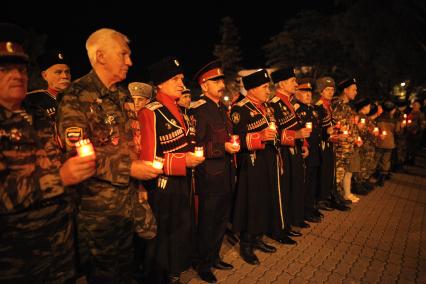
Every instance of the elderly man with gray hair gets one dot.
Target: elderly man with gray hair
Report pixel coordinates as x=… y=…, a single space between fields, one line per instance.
x=96 y=107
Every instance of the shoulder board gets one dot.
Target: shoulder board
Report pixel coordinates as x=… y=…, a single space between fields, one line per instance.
x=296 y=106
x=37 y=91
x=242 y=102
x=275 y=99
x=319 y=103
x=196 y=104
x=153 y=106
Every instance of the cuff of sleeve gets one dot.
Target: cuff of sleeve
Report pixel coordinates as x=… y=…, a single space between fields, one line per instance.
x=175 y=164
x=288 y=137
x=254 y=142
x=123 y=176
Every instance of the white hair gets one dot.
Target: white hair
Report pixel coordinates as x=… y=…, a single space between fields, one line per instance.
x=99 y=39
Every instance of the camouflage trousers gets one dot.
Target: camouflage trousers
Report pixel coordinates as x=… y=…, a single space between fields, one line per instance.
x=368 y=166
x=37 y=246
x=105 y=241
x=343 y=154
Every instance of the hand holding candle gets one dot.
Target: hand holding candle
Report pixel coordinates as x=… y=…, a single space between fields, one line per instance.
x=376 y=131
x=272 y=125
x=308 y=125
x=84 y=148
x=235 y=140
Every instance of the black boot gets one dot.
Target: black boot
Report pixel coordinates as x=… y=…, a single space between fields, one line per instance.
x=246 y=249
x=261 y=245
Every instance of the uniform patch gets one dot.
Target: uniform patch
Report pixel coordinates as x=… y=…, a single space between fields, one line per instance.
x=73 y=135
x=235 y=117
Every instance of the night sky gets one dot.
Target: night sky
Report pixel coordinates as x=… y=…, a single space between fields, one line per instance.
x=156 y=32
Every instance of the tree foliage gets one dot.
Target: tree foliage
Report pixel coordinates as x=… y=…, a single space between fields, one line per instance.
x=228 y=51
x=379 y=43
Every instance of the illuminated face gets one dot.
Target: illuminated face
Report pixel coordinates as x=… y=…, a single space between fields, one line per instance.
x=117 y=58
x=140 y=102
x=173 y=87
x=214 y=88
x=58 y=77
x=351 y=92
x=304 y=96
x=13 y=83
x=416 y=106
x=289 y=85
x=261 y=93
x=366 y=110
x=328 y=93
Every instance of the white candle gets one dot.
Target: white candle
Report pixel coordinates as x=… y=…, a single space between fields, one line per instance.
x=345 y=132
x=363 y=120
x=359 y=139
x=158 y=163
x=84 y=148
x=272 y=125
x=384 y=133
x=376 y=129
x=405 y=115
x=308 y=125
x=199 y=151
x=409 y=121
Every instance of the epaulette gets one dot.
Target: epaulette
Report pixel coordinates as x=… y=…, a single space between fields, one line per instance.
x=275 y=99
x=196 y=104
x=296 y=106
x=153 y=106
x=37 y=91
x=319 y=103
x=242 y=102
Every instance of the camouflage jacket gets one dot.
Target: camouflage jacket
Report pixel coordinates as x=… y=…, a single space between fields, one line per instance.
x=29 y=161
x=89 y=110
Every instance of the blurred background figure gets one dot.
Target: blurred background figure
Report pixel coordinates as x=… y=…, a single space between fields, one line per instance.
x=141 y=93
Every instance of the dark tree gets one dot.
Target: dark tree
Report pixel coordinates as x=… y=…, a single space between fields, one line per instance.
x=228 y=51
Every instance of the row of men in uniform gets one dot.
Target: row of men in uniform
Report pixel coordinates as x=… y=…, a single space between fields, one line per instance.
x=276 y=161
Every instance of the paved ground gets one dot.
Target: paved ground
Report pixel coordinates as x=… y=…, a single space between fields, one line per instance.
x=382 y=240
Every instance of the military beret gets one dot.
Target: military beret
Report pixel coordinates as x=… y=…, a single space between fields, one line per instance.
x=388 y=105
x=282 y=74
x=324 y=82
x=12 y=40
x=139 y=89
x=305 y=87
x=346 y=83
x=256 y=79
x=212 y=70
x=164 y=70
x=50 y=58
x=362 y=103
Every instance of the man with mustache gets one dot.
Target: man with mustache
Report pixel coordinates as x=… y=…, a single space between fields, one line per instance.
x=215 y=177
x=56 y=72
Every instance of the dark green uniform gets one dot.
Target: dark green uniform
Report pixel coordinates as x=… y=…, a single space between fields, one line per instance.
x=90 y=110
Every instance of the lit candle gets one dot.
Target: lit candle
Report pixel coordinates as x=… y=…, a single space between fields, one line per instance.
x=272 y=125
x=158 y=163
x=384 y=133
x=363 y=120
x=359 y=139
x=235 y=140
x=84 y=148
x=308 y=125
x=409 y=121
x=376 y=130
x=199 y=151
x=345 y=132
x=405 y=115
